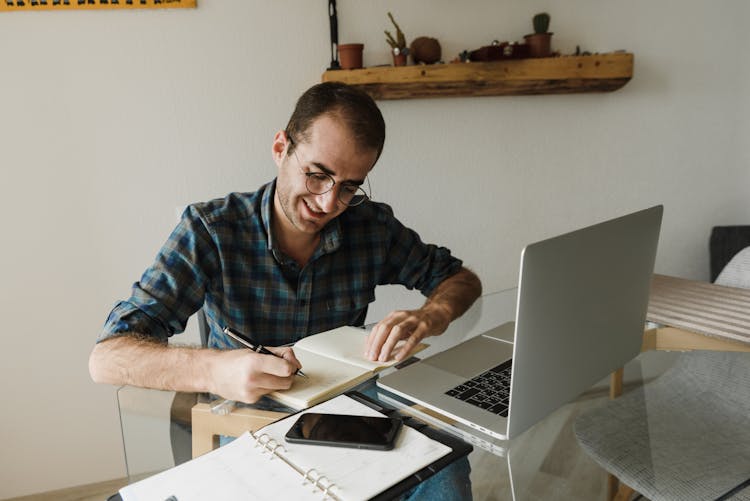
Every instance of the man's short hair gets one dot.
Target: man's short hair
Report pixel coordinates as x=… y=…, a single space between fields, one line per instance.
x=354 y=107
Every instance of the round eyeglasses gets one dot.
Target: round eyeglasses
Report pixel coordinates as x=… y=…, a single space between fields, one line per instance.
x=320 y=183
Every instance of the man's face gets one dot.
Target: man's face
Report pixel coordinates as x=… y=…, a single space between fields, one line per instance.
x=330 y=149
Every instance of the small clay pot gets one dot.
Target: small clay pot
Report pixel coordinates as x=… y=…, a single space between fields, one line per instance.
x=350 y=55
x=539 y=44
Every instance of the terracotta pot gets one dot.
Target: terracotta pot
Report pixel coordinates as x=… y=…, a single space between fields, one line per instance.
x=399 y=59
x=539 y=44
x=350 y=55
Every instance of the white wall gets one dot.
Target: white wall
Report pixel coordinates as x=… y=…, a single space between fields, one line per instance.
x=111 y=119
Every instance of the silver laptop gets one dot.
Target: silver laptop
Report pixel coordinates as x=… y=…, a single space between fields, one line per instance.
x=580 y=314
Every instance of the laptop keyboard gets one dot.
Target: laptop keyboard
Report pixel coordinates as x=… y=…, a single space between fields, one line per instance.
x=489 y=390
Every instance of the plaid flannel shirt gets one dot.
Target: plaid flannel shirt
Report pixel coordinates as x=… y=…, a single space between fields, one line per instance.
x=222 y=257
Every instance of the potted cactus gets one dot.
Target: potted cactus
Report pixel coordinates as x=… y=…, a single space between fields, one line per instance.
x=398 y=44
x=539 y=42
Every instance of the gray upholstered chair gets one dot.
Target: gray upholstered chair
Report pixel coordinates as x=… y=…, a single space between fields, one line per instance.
x=685 y=435
x=737 y=272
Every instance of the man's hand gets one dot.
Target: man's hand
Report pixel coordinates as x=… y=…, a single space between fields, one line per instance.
x=240 y=374
x=410 y=325
x=451 y=298
x=245 y=376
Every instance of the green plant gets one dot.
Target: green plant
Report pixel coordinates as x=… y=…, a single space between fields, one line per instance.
x=541 y=22
x=400 y=41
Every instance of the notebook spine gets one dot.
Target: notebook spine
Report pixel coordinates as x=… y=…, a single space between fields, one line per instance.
x=318 y=481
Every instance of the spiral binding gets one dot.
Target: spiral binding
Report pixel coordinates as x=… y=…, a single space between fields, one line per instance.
x=271 y=445
x=317 y=482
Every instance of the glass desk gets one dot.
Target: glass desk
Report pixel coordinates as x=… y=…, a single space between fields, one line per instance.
x=546 y=462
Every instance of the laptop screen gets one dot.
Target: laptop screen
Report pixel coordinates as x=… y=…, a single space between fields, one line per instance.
x=581 y=311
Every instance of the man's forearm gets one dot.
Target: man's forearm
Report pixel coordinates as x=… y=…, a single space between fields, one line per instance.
x=455 y=295
x=134 y=361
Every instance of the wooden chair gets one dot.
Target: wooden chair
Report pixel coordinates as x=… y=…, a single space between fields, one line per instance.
x=707 y=437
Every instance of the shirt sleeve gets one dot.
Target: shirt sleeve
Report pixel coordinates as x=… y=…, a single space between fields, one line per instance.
x=413 y=263
x=172 y=288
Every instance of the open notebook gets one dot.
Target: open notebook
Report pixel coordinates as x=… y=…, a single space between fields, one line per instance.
x=262 y=465
x=333 y=362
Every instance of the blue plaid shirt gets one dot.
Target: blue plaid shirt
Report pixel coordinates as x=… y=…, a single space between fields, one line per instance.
x=222 y=257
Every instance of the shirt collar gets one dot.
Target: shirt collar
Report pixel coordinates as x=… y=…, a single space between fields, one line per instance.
x=266 y=209
x=330 y=237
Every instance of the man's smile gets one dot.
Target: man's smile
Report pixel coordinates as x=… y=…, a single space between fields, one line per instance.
x=313 y=210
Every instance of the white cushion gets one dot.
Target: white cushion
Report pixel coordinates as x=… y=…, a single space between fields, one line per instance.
x=737 y=271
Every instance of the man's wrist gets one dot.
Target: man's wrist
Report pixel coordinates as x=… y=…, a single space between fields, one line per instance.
x=440 y=314
x=205 y=364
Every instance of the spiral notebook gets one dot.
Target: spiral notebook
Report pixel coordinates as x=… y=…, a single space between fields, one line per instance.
x=261 y=465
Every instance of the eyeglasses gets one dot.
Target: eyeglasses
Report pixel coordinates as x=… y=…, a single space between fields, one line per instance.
x=320 y=183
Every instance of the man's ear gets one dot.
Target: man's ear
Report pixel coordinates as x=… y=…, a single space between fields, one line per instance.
x=279 y=147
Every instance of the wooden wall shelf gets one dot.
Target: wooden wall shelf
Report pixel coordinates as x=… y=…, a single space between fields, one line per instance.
x=553 y=75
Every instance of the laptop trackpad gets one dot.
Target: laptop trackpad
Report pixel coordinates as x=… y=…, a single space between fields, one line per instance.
x=472 y=357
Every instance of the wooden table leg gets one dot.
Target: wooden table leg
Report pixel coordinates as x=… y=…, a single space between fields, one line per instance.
x=615 y=383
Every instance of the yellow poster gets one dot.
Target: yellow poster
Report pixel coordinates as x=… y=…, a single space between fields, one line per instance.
x=10 y=5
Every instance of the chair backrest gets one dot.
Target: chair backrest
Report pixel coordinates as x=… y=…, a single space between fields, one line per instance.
x=203 y=328
x=725 y=242
x=728 y=373
x=737 y=272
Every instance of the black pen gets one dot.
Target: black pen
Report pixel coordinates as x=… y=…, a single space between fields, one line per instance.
x=241 y=338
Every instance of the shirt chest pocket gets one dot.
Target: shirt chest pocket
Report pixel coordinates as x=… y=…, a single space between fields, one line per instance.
x=349 y=308
x=350 y=301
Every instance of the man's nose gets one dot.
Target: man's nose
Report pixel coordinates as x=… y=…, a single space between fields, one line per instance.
x=329 y=200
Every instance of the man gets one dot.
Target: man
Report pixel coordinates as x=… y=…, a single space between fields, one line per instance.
x=301 y=255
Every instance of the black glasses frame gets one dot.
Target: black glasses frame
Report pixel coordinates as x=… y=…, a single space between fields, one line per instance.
x=358 y=198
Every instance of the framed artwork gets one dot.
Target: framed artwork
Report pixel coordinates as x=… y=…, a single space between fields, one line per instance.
x=11 y=5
